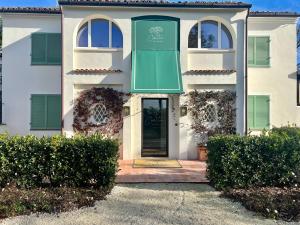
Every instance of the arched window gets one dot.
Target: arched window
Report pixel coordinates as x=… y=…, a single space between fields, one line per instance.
x=103 y=34
x=82 y=37
x=210 y=113
x=214 y=35
x=100 y=114
x=226 y=37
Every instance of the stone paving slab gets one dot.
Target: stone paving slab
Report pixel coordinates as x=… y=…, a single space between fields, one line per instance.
x=191 y=172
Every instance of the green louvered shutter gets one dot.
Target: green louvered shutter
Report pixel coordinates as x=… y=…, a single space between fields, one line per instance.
x=262 y=50
x=38 y=112
x=38 y=49
x=251 y=108
x=53 y=112
x=251 y=52
x=54 y=48
x=262 y=112
x=258 y=112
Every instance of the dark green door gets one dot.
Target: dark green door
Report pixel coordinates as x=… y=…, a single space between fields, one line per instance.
x=155 y=127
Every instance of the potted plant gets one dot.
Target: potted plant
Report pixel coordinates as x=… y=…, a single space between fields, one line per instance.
x=202 y=146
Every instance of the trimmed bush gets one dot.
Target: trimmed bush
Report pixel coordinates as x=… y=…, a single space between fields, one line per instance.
x=271 y=159
x=288 y=130
x=80 y=161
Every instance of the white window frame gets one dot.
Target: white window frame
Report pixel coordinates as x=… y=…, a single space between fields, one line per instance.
x=219 y=38
x=93 y=116
x=216 y=109
x=89 y=47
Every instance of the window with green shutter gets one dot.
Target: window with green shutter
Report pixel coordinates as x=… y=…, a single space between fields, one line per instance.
x=46 y=49
x=45 y=112
x=258 y=112
x=259 y=51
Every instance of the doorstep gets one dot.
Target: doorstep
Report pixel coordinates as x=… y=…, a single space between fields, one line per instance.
x=191 y=172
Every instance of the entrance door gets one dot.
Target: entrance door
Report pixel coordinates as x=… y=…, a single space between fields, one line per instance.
x=155 y=127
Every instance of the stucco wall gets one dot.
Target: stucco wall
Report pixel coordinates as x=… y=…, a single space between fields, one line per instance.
x=20 y=79
x=211 y=59
x=279 y=80
x=181 y=143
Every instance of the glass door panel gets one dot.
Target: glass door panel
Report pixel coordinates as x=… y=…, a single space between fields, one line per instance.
x=155 y=128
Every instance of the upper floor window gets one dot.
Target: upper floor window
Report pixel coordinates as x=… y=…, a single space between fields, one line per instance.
x=210 y=34
x=46 y=49
x=100 y=33
x=259 y=51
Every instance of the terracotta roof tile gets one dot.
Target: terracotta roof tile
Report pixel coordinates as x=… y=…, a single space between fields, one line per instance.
x=30 y=10
x=206 y=72
x=157 y=3
x=96 y=71
x=273 y=14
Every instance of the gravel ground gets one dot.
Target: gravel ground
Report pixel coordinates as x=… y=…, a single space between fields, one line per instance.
x=153 y=204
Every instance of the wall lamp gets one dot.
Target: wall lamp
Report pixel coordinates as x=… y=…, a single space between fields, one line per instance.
x=126 y=111
x=183 y=111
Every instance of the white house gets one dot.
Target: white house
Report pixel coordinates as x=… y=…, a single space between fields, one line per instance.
x=60 y=63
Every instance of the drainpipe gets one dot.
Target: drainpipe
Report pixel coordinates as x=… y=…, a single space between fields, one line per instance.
x=62 y=72
x=246 y=73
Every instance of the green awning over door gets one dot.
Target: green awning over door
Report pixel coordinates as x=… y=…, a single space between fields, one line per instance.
x=155 y=55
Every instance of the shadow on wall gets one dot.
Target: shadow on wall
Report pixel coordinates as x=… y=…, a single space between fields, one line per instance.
x=293 y=76
x=265 y=26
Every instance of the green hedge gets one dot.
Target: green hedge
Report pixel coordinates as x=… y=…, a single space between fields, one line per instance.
x=271 y=159
x=80 y=161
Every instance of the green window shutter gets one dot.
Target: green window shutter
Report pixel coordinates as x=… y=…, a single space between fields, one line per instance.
x=262 y=50
x=54 y=48
x=45 y=112
x=251 y=52
x=38 y=112
x=251 y=109
x=53 y=112
x=262 y=108
x=38 y=49
x=258 y=112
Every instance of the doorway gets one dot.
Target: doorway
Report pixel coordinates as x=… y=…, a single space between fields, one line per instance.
x=155 y=127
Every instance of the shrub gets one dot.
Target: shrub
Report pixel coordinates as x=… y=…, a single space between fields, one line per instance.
x=268 y=160
x=14 y=201
x=288 y=130
x=271 y=202
x=80 y=161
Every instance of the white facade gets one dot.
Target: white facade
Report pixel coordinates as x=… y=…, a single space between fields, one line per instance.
x=279 y=80
x=21 y=79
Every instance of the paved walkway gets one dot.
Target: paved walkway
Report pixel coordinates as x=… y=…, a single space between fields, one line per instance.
x=191 y=172
x=155 y=204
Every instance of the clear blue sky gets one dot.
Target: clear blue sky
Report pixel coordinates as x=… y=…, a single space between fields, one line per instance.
x=279 y=5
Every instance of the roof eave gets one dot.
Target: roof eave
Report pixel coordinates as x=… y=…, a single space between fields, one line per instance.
x=50 y=11
x=274 y=14
x=156 y=4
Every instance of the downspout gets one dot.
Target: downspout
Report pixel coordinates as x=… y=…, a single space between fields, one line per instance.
x=62 y=72
x=246 y=73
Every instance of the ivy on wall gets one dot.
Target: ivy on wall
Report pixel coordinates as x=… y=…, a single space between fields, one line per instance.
x=224 y=102
x=83 y=111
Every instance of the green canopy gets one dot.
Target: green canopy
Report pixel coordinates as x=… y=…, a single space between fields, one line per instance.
x=155 y=55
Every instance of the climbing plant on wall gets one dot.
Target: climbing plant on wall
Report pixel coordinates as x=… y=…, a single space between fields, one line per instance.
x=223 y=109
x=110 y=112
